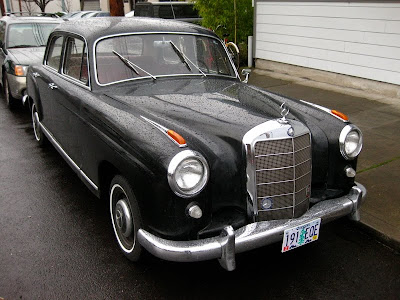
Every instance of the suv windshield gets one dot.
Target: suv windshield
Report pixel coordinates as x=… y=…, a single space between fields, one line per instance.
x=155 y=55
x=29 y=34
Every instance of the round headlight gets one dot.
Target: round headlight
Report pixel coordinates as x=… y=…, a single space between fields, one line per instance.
x=188 y=173
x=350 y=141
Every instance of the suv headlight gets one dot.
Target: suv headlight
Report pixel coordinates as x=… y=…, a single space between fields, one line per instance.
x=350 y=141
x=188 y=173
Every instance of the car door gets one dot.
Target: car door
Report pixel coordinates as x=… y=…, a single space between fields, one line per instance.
x=45 y=80
x=66 y=91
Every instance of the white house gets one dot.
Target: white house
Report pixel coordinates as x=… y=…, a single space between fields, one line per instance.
x=64 y=5
x=357 y=38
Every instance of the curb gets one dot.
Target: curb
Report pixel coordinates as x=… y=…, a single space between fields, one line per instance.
x=380 y=236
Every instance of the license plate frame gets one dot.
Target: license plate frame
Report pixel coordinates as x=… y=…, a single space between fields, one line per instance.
x=301 y=235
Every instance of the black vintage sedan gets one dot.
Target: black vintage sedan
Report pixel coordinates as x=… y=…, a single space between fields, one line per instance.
x=194 y=163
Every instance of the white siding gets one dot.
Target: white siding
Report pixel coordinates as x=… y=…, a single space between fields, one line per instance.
x=358 y=39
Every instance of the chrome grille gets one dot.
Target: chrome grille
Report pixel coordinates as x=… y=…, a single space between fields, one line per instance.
x=278 y=170
x=283 y=176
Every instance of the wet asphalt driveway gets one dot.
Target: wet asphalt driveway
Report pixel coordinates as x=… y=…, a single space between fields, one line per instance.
x=56 y=242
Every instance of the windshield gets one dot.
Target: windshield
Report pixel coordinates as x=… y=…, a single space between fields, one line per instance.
x=29 y=34
x=155 y=55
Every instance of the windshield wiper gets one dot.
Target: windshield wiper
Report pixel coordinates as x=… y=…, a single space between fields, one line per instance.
x=184 y=58
x=131 y=65
x=180 y=54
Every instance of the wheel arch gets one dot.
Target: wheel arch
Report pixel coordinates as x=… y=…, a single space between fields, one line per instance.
x=107 y=171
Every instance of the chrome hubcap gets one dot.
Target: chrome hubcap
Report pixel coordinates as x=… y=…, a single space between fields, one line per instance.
x=35 y=119
x=123 y=218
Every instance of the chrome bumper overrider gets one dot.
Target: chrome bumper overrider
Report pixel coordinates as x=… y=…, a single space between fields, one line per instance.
x=251 y=236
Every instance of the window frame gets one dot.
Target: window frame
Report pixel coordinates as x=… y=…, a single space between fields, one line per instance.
x=82 y=57
x=59 y=72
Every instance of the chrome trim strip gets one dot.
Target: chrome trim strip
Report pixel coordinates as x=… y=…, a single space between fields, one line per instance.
x=283 y=153
x=164 y=130
x=275 y=182
x=325 y=109
x=253 y=235
x=280 y=195
x=158 y=76
x=66 y=156
x=274 y=169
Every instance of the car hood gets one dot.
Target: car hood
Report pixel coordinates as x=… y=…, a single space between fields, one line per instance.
x=27 y=56
x=213 y=116
x=199 y=108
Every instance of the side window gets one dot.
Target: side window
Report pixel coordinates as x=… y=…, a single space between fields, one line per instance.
x=76 y=60
x=55 y=51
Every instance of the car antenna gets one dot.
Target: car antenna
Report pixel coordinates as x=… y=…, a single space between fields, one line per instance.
x=172 y=8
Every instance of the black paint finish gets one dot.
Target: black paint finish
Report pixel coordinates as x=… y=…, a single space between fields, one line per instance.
x=102 y=130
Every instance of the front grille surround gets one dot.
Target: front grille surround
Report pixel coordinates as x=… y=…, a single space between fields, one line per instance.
x=278 y=169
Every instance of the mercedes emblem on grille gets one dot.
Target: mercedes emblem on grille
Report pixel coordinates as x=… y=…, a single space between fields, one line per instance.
x=290 y=131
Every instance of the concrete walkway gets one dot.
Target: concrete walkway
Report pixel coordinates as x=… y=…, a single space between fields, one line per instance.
x=379 y=162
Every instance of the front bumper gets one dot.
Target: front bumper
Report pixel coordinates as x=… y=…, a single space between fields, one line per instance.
x=251 y=236
x=17 y=85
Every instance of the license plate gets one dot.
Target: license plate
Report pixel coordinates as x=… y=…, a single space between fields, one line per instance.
x=300 y=235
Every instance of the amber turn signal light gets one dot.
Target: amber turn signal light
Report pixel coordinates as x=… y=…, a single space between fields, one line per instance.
x=340 y=115
x=176 y=137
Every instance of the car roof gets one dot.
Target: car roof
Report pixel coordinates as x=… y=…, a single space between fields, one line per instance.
x=94 y=28
x=31 y=19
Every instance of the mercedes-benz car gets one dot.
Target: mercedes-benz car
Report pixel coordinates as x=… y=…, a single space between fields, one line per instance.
x=22 y=43
x=194 y=163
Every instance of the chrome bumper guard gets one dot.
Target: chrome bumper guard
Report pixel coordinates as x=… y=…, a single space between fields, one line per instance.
x=251 y=236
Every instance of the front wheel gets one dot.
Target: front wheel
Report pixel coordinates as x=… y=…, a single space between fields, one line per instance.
x=125 y=217
x=37 y=130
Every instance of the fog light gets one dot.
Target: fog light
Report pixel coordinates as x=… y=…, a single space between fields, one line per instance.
x=350 y=172
x=195 y=211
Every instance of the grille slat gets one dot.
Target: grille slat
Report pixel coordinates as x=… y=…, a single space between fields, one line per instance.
x=283 y=176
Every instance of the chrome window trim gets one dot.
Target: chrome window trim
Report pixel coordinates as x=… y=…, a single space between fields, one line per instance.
x=66 y=77
x=158 y=76
x=87 y=60
x=64 y=154
x=60 y=72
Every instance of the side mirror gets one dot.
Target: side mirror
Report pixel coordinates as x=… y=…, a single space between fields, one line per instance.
x=246 y=73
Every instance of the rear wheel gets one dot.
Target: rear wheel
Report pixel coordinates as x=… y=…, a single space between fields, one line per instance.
x=37 y=130
x=125 y=217
x=7 y=94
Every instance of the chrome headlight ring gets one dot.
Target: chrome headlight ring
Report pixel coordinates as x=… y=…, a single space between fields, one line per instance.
x=188 y=173
x=350 y=141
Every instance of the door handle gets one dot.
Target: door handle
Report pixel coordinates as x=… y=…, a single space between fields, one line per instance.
x=53 y=86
